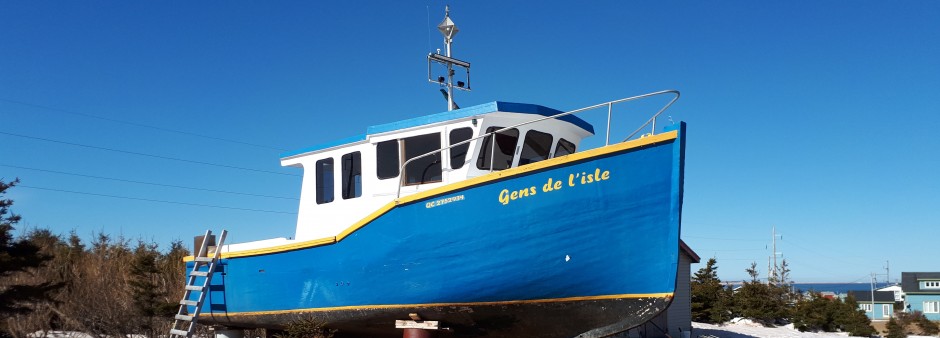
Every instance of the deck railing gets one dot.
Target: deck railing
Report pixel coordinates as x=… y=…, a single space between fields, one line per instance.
x=609 y=104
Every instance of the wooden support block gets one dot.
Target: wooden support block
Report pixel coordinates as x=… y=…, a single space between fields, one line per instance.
x=411 y=324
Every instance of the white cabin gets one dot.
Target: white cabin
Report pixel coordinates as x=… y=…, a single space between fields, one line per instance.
x=350 y=178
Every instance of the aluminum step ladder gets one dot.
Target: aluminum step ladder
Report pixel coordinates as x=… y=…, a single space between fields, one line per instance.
x=185 y=322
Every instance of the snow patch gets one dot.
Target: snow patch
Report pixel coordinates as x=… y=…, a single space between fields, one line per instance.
x=744 y=328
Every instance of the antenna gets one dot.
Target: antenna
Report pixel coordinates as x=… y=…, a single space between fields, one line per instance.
x=888 y=272
x=773 y=273
x=449 y=30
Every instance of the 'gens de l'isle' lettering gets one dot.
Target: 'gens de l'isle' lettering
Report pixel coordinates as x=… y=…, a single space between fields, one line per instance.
x=575 y=179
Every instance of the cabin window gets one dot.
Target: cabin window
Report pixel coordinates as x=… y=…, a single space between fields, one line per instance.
x=458 y=154
x=535 y=147
x=352 y=175
x=505 y=148
x=931 y=285
x=931 y=307
x=324 y=169
x=386 y=159
x=426 y=169
x=564 y=148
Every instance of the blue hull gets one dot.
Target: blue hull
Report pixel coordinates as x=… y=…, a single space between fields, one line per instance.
x=591 y=240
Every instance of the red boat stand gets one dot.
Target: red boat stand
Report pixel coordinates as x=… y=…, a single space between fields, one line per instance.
x=416 y=327
x=418 y=333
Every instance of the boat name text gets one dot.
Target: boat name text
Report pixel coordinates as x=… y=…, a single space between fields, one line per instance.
x=576 y=179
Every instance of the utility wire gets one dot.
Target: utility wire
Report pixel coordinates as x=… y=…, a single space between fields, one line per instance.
x=138 y=124
x=148 y=155
x=821 y=254
x=811 y=266
x=147 y=183
x=154 y=200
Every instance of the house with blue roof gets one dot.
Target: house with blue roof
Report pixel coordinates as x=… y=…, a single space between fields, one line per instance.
x=922 y=293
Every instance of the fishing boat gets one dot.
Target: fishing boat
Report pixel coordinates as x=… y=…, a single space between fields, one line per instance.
x=488 y=220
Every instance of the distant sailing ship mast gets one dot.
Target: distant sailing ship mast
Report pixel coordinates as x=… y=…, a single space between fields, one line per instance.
x=449 y=30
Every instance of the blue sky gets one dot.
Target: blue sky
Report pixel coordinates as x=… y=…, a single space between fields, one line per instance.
x=813 y=116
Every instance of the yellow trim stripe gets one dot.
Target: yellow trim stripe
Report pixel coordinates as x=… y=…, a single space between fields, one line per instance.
x=642 y=142
x=398 y=306
x=385 y=208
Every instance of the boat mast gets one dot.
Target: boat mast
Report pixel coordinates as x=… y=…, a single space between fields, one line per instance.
x=449 y=30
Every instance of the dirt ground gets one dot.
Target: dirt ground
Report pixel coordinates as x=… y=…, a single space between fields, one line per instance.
x=881 y=326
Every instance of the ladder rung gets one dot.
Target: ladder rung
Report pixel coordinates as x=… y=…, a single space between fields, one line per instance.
x=203 y=259
x=184 y=317
x=179 y=332
x=194 y=288
x=189 y=302
x=199 y=273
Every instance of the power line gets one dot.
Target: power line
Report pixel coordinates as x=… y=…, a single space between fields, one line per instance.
x=154 y=200
x=820 y=254
x=148 y=155
x=139 y=124
x=147 y=183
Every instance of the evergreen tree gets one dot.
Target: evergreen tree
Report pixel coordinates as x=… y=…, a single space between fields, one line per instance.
x=784 y=284
x=853 y=320
x=16 y=257
x=895 y=330
x=148 y=284
x=142 y=283
x=56 y=270
x=752 y=271
x=758 y=301
x=816 y=313
x=783 y=271
x=710 y=300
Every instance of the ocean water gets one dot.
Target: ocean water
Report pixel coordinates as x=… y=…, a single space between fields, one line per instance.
x=836 y=287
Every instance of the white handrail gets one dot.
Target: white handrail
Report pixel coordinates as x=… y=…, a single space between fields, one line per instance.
x=609 y=104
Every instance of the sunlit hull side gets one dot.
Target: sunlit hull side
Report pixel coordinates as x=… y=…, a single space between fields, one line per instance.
x=568 y=258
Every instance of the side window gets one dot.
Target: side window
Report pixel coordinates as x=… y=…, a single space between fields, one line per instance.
x=386 y=159
x=352 y=175
x=426 y=169
x=564 y=148
x=324 y=170
x=458 y=154
x=505 y=148
x=535 y=147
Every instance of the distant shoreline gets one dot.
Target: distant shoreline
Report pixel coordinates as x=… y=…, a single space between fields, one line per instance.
x=828 y=286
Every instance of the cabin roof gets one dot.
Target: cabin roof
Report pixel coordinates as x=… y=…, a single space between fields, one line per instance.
x=910 y=281
x=486 y=108
x=880 y=296
x=688 y=251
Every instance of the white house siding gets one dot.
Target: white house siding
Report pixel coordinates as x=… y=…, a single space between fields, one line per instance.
x=678 y=317
x=679 y=314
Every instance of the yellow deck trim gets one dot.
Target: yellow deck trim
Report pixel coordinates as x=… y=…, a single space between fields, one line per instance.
x=642 y=142
x=398 y=306
x=381 y=211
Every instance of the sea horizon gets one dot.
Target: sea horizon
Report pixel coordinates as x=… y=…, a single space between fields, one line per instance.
x=836 y=287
